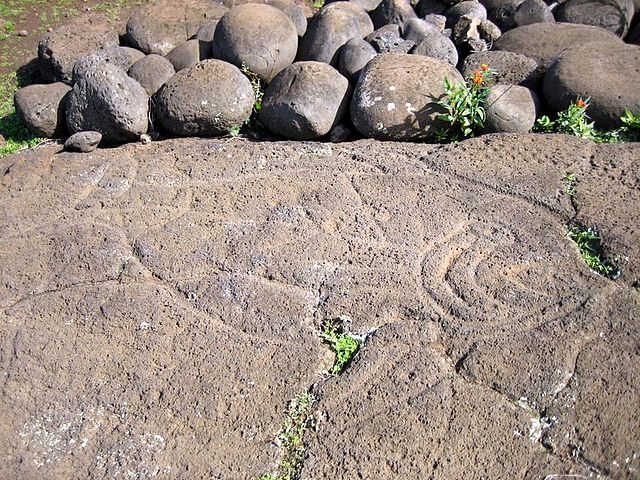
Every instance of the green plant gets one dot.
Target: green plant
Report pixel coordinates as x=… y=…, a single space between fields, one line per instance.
x=290 y=440
x=570 y=181
x=464 y=103
x=588 y=242
x=318 y=3
x=345 y=346
x=258 y=93
x=572 y=121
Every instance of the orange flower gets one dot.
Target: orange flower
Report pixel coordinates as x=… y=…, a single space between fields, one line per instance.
x=485 y=67
x=478 y=78
x=581 y=103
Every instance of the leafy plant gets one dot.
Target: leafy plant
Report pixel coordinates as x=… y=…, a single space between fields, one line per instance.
x=299 y=419
x=570 y=181
x=258 y=93
x=588 y=242
x=318 y=3
x=464 y=104
x=345 y=346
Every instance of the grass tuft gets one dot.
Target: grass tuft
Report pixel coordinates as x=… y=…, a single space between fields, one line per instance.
x=344 y=345
x=589 y=245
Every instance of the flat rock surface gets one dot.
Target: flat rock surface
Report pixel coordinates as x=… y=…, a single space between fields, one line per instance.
x=161 y=304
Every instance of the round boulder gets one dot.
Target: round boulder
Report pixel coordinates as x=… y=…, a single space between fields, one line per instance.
x=612 y=15
x=417 y=29
x=333 y=26
x=510 y=68
x=83 y=142
x=397 y=94
x=152 y=72
x=545 y=41
x=108 y=101
x=510 y=109
x=207 y=99
x=189 y=53
x=533 y=11
x=121 y=57
x=305 y=101
x=41 y=108
x=436 y=45
x=608 y=73
x=470 y=8
x=392 y=11
x=260 y=37
x=59 y=50
x=354 y=55
x=160 y=26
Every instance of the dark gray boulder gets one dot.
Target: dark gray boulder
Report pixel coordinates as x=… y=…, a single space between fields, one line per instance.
x=121 y=57
x=260 y=37
x=608 y=73
x=189 y=53
x=160 y=26
x=612 y=15
x=108 y=101
x=428 y=7
x=470 y=8
x=436 y=45
x=439 y=21
x=416 y=29
x=208 y=27
x=41 y=108
x=511 y=68
x=392 y=11
x=387 y=39
x=545 y=41
x=489 y=31
x=533 y=11
x=83 y=142
x=207 y=99
x=152 y=72
x=294 y=12
x=305 y=101
x=510 y=109
x=59 y=49
x=366 y=5
x=504 y=14
x=354 y=55
x=396 y=96
x=333 y=26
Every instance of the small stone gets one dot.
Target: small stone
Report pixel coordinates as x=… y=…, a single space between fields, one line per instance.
x=145 y=139
x=83 y=142
x=23 y=33
x=439 y=21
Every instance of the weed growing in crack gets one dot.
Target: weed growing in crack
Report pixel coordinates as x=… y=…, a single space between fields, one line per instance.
x=258 y=93
x=570 y=182
x=290 y=440
x=344 y=345
x=588 y=242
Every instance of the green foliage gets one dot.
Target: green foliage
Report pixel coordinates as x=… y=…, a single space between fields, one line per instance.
x=575 y=121
x=318 y=3
x=464 y=104
x=571 y=181
x=258 y=93
x=343 y=345
x=588 y=242
x=299 y=419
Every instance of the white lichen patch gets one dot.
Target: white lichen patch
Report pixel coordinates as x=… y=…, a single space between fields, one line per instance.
x=391 y=106
x=135 y=456
x=410 y=108
x=392 y=88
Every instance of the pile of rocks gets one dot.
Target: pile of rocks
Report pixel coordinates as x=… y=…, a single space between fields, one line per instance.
x=376 y=65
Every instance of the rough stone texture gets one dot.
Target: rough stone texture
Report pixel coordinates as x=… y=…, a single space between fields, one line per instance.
x=189 y=53
x=152 y=72
x=160 y=306
x=59 y=50
x=354 y=56
x=489 y=31
x=613 y=15
x=607 y=73
x=294 y=12
x=305 y=101
x=41 y=108
x=160 y=26
x=439 y=21
x=545 y=41
x=387 y=39
x=533 y=11
x=108 y=101
x=261 y=37
x=503 y=15
x=366 y=5
x=511 y=109
x=207 y=99
x=83 y=142
x=392 y=11
x=396 y=95
x=121 y=57
x=208 y=27
x=466 y=36
x=417 y=29
x=510 y=68
x=333 y=26
x=436 y=45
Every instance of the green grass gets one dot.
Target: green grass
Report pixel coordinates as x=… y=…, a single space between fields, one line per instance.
x=290 y=440
x=570 y=183
x=589 y=245
x=345 y=346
